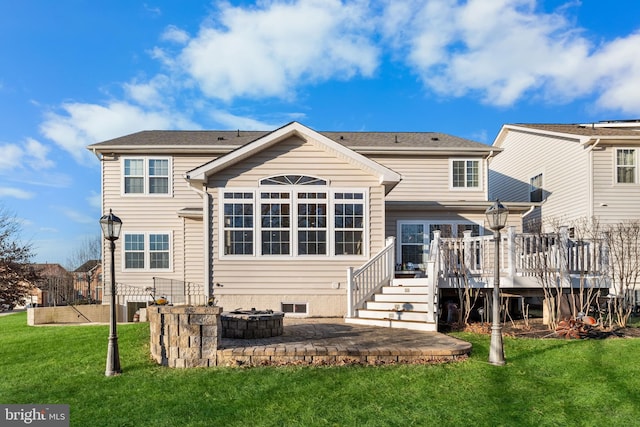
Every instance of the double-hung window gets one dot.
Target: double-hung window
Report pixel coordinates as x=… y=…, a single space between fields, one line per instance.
x=146 y=175
x=238 y=223
x=293 y=216
x=349 y=223
x=147 y=251
x=626 y=166
x=465 y=173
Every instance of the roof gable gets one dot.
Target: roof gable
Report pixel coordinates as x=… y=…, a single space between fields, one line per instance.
x=385 y=176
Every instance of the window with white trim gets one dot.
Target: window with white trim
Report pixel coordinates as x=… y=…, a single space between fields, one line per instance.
x=238 y=223
x=146 y=175
x=147 y=251
x=465 y=173
x=626 y=166
x=293 y=219
x=349 y=223
x=294 y=308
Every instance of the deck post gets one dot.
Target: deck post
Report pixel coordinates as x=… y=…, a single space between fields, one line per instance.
x=563 y=260
x=511 y=248
x=350 y=292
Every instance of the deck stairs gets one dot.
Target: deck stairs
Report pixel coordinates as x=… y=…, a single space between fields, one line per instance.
x=404 y=303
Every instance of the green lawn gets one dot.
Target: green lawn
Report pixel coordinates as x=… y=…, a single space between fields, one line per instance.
x=545 y=383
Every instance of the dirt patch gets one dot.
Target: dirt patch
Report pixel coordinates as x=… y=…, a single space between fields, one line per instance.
x=535 y=329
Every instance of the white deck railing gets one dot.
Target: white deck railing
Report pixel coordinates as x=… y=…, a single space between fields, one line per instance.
x=521 y=255
x=369 y=278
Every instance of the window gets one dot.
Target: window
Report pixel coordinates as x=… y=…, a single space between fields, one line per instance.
x=626 y=166
x=349 y=223
x=146 y=176
x=294 y=308
x=312 y=223
x=147 y=251
x=465 y=173
x=238 y=223
x=296 y=220
x=535 y=188
x=275 y=216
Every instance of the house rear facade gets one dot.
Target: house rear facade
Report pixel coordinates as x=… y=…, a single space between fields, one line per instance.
x=274 y=220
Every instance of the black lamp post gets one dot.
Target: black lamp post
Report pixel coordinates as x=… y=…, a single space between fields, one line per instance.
x=111 y=226
x=497 y=218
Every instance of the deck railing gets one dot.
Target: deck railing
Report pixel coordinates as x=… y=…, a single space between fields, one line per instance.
x=370 y=277
x=521 y=255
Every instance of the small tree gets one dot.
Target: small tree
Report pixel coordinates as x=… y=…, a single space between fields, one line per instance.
x=17 y=275
x=623 y=243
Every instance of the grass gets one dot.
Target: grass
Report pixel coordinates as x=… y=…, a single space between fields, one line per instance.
x=545 y=383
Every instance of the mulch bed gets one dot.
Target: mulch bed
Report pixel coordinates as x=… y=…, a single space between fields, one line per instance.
x=535 y=329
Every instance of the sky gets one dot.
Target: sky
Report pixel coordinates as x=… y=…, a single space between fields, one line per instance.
x=77 y=72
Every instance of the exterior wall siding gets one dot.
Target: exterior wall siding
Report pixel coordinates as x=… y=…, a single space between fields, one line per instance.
x=428 y=178
x=565 y=168
x=613 y=202
x=153 y=214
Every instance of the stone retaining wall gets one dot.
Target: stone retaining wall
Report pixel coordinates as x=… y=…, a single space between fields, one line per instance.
x=185 y=337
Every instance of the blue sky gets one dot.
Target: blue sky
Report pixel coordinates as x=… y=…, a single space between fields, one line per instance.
x=75 y=72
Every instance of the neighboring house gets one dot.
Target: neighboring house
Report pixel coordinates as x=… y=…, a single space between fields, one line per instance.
x=275 y=220
x=87 y=281
x=572 y=171
x=55 y=288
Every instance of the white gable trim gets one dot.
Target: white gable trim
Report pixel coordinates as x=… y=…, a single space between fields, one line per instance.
x=385 y=175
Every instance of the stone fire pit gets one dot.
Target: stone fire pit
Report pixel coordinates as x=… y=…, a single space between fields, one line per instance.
x=251 y=324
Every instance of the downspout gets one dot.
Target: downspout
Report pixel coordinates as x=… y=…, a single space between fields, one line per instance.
x=486 y=174
x=206 y=216
x=590 y=177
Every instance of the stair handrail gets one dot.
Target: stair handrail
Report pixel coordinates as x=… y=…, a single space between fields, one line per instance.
x=370 y=277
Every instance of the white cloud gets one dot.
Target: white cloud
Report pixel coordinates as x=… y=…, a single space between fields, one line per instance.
x=270 y=49
x=175 y=35
x=95 y=200
x=502 y=50
x=82 y=124
x=31 y=154
x=149 y=94
x=231 y=121
x=15 y=193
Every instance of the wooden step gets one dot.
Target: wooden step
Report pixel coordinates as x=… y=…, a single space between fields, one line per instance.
x=413 y=316
x=402 y=298
x=404 y=290
x=398 y=306
x=416 y=326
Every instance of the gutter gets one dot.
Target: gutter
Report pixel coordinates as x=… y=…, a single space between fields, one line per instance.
x=590 y=176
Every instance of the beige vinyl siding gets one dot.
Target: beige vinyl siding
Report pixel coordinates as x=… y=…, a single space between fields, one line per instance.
x=297 y=275
x=563 y=163
x=429 y=178
x=151 y=214
x=194 y=253
x=613 y=202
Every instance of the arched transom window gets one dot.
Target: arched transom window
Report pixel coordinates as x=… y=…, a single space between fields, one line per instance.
x=294 y=216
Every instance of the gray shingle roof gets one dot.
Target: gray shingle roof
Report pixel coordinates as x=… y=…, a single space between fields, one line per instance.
x=581 y=129
x=354 y=140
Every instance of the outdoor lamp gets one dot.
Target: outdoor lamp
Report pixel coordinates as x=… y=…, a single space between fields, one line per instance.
x=497 y=218
x=111 y=226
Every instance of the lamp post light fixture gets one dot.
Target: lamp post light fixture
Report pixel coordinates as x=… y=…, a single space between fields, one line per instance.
x=497 y=218
x=111 y=226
